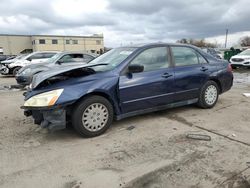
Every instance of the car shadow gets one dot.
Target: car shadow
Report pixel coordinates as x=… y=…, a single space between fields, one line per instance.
x=7 y=76
x=69 y=133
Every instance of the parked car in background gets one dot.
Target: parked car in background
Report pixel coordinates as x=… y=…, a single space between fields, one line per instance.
x=241 y=60
x=4 y=64
x=6 y=57
x=2 y=57
x=219 y=53
x=124 y=82
x=35 y=57
x=212 y=52
x=12 y=59
x=63 y=59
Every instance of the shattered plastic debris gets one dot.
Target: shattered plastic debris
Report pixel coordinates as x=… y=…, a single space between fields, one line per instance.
x=246 y=94
x=199 y=137
x=11 y=87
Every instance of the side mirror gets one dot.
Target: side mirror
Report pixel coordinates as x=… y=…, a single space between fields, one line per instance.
x=28 y=59
x=135 y=68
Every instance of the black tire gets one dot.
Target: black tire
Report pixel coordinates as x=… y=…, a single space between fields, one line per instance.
x=202 y=101
x=79 y=110
x=15 y=70
x=233 y=67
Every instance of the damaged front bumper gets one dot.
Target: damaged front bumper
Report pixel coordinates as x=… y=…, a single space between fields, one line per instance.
x=51 y=118
x=4 y=69
x=23 y=80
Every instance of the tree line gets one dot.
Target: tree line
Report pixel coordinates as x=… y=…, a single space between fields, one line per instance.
x=244 y=42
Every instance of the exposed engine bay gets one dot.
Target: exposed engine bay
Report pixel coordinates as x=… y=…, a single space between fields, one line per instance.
x=80 y=72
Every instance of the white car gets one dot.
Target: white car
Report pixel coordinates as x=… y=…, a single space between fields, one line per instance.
x=35 y=57
x=241 y=59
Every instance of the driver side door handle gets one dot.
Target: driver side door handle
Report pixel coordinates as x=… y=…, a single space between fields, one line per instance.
x=204 y=69
x=166 y=75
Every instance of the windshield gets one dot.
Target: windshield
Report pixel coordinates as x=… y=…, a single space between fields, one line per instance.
x=21 y=56
x=54 y=58
x=246 y=52
x=111 y=59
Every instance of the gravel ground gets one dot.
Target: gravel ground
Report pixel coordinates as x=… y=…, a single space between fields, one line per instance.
x=149 y=151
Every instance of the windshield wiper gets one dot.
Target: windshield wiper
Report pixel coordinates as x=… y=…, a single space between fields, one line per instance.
x=94 y=65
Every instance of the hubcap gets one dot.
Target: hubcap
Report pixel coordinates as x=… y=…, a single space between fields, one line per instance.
x=211 y=95
x=95 y=117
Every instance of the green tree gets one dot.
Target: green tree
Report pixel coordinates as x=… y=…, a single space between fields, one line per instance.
x=198 y=43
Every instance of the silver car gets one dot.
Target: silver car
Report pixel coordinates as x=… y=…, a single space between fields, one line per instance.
x=63 y=59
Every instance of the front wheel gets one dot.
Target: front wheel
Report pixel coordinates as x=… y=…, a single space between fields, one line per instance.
x=15 y=70
x=92 y=116
x=208 y=95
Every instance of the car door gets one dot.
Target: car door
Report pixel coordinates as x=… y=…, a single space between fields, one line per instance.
x=151 y=88
x=190 y=72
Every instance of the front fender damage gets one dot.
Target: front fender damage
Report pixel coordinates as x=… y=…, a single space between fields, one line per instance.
x=52 y=119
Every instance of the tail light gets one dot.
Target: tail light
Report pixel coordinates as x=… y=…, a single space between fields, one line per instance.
x=229 y=68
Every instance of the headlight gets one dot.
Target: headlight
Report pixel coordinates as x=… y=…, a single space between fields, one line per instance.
x=44 y=99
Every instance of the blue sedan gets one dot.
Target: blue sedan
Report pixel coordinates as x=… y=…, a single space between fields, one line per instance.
x=124 y=82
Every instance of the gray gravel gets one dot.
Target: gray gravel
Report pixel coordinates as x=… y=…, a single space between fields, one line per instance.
x=154 y=153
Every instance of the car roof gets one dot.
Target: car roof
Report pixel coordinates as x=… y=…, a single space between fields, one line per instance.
x=156 y=44
x=47 y=52
x=76 y=52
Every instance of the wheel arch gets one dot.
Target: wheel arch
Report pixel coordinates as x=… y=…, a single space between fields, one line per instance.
x=102 y=94
x=218 y=83
x=12 y=68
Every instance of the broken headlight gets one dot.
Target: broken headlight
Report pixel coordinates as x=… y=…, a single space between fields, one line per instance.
x=44 y=99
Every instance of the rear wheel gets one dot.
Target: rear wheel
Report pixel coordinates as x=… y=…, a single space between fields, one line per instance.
x=92 y=116
x=208 y=95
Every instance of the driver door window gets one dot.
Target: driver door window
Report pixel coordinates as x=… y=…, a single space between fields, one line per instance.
x=153 y=59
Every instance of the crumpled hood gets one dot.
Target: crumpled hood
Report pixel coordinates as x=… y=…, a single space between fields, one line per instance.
x=40 y=77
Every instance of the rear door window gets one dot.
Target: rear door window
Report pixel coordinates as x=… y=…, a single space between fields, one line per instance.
x=184 y=56
x=202 y=60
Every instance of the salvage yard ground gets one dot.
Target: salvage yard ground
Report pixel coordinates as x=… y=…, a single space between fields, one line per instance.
x=145 y=151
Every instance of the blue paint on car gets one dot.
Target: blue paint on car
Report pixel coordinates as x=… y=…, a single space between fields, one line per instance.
x=176 y=83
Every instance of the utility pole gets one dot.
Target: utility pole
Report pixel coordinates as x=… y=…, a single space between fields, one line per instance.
x=226 y=38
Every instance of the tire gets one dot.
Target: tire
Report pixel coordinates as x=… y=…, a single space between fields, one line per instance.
x=15 y=70
x=92 y=116
x=233 y=67
x=209 y=94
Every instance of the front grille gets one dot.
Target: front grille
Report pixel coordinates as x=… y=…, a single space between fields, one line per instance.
x=237 y=59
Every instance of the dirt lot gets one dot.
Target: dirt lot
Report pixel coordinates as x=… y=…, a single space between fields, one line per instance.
x=145 y=151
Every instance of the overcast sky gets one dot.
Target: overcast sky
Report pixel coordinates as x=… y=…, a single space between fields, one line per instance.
x=128 y=21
